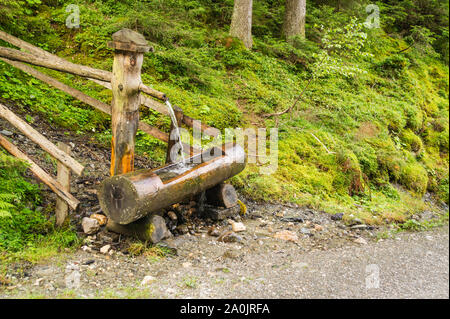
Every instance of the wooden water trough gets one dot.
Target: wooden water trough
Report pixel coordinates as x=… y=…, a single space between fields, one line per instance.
x=129 y=197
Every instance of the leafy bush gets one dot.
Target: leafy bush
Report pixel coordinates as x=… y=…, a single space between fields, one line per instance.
x=414 y=177
x=22 y=225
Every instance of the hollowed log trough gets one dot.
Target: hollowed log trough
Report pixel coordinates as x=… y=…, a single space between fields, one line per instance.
x=132 y=196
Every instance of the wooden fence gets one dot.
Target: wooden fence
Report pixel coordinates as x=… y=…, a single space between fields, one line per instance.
x=127 y=88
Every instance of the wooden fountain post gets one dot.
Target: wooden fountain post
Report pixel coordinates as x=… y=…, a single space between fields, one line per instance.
x=129 y=48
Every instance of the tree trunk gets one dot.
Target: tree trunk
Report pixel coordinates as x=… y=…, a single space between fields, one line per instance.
x=294 y=19
x=241 y=22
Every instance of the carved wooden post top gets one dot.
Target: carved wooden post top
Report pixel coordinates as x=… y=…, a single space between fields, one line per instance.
x=129 y=40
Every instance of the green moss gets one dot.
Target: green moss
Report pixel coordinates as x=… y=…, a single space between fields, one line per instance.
x=412 y=141
x=414 y=177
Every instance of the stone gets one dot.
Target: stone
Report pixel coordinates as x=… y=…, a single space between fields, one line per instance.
x=213 y=231
x=90 y=225
x=361 y=241
x=147 y=280
x=38 y=282
x=292 y=219
x=186 y=265
x=172 y=215
x=86 y=249
x=105 y=249
x=305 y=231
x=359 y=227
x=229 y=237
x=102 y=219
x=318 y=227
x=238 y=227
x=337 y=216
x=182 y=229
x=218 y=214
x=6 y=133
x=286 y=235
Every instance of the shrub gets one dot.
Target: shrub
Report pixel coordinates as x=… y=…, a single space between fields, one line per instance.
x=414 y=177
x=393 y=66
x=412 y=141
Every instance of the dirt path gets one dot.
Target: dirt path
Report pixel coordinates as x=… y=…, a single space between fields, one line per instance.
x=412 y=265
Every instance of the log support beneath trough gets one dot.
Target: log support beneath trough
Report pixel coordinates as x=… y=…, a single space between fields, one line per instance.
x=222 y=195
x=151 y=228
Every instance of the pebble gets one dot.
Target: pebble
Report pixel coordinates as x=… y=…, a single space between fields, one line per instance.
x=305 y=231
x=286 y=235
x=318 y=228
x=361 y=241
x=38 y=281
x=102 y=219
x=6 y=133
x=90 y=225
x=147 y=280
x=337 y=216
x=105 y=249
x=213 y=231
x=229 y=237
x=238 y=227
x=172 y=215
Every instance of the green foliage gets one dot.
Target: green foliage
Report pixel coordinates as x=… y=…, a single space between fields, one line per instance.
x=414 y=177
x=378 y=102
x=23 y=227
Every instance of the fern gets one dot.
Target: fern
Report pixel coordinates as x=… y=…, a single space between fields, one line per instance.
x=5 y=204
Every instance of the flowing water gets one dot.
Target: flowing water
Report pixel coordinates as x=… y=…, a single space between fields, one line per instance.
x=176 y=126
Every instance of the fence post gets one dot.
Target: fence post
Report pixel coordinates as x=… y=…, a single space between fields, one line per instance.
x=63 y=177
x=129 y=48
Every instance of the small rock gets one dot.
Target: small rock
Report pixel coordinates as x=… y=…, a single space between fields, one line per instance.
x=356 y=221
x=89 y=262
x=147 y=280
x=292 y=219
x=279 y=214
x=6 y=133
x=186 y=265
x=286 y=235
x=337 y=216
x=361 y=241
x=238 y=227
x=86 y=249
x=105 y=249
x=229 y=237
x=90 y=225
x=318 y=227
x=172 y=216
x=213 y=231
x=182 y=229
x=359 y=226
x=305 y=231
x=38 y=282
x=102 y=219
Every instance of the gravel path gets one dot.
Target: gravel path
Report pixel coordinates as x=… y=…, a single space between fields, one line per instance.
x=412 y=265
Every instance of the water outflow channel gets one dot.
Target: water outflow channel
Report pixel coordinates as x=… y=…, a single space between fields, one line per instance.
x=176 y=128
